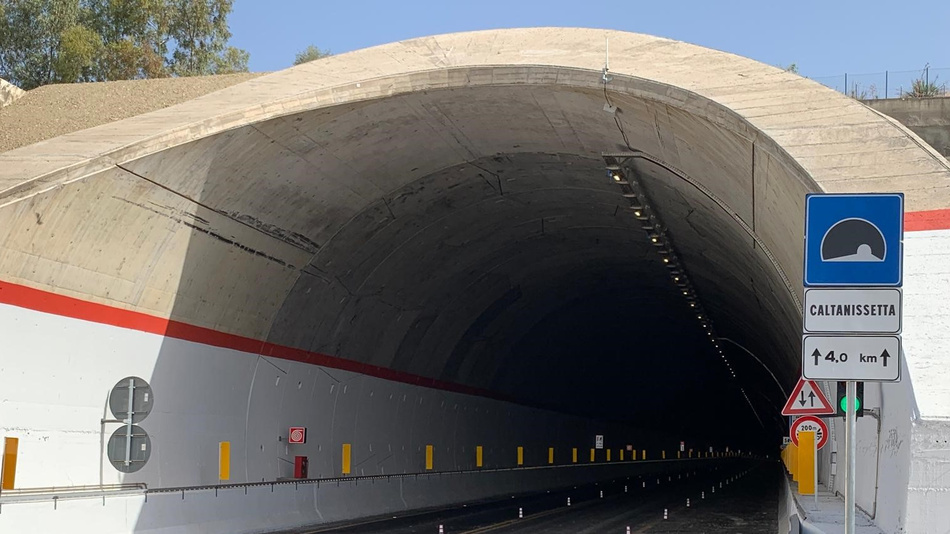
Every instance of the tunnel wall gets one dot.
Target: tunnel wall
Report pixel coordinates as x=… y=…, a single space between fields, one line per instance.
x=211 y=392
x=207 y=394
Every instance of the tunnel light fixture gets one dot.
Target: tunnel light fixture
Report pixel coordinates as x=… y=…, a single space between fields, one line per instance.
x=639 y=203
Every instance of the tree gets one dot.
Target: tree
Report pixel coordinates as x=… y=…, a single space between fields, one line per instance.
x=200 y=29
x=31 y=40
x=51 y=41
x=793 y=68
x=311 y=53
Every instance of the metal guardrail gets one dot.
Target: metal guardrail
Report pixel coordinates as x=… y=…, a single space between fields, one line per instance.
x=52 y=490
x=356 y=479
x=57 y=493
x=79 y=492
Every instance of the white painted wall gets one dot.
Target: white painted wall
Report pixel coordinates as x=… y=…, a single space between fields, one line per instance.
x=56 y=374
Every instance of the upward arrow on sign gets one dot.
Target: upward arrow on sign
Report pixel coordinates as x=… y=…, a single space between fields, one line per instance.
x=807 y=399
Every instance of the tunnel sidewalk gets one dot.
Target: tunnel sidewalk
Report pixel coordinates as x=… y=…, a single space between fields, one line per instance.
x=827 y=517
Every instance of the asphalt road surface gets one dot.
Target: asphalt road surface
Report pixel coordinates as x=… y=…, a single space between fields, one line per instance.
x=739 y=500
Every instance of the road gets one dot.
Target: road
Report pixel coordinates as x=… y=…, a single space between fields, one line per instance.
x=745 y=503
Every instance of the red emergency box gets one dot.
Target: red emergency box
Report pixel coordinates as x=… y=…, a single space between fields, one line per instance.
x=300 y=467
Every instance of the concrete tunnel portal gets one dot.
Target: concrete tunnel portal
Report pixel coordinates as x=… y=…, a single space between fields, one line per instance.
x=489 y=214
x=493 y=250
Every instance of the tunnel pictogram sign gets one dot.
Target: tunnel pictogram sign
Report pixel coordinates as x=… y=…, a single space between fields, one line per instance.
x=809 y=423
x=854 y=239
x=807 y=399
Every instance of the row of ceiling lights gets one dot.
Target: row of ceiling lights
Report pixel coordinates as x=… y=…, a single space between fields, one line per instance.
x=640 y=207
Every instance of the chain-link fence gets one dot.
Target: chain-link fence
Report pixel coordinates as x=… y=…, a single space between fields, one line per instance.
x=891 y=84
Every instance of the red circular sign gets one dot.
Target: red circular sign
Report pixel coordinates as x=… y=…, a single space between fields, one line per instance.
x=298 y=434
x=809 y=423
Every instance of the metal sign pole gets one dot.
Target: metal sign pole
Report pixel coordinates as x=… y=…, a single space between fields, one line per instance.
x=851 y=426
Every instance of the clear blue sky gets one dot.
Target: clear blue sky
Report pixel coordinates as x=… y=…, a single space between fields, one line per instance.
x=823 y=37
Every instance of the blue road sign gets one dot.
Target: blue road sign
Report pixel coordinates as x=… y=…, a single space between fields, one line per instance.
x=854 y=239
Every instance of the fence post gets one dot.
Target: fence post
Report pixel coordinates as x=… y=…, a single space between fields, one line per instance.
x=885 y=84
x=846 y=83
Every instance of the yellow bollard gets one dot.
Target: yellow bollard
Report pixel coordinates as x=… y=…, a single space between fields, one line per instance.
x=664 y=455
x=621 y=455
x=608 y=455
x=633 y=454
x=793 y=459
x=346 y=458
x=224 y=460
x=478 y=456
x=429 y=453
x=644 y=454
x=520 y=456
x=550 y=455
x=574 y=455
x=8 y=468
x=806 y=463
x=593 y=452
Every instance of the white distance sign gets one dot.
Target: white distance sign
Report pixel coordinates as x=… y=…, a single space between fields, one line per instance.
x=858 y=358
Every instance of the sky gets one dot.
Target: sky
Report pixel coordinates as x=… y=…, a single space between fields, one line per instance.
x=822 y=38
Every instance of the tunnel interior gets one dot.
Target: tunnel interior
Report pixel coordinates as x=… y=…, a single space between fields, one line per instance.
x=475 y=236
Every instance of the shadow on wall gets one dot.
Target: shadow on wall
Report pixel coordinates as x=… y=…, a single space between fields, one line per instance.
x=394 y=305
x=212 y=387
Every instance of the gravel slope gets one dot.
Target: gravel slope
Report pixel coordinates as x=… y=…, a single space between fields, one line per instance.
x=54 y=110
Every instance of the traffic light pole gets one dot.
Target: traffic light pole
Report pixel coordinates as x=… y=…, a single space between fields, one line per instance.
x=850 y=439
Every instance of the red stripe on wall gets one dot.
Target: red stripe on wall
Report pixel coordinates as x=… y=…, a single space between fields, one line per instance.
x=46 y=302
x=927 y=220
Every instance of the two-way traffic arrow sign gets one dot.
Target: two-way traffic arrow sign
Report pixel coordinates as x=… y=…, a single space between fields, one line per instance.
x=807 y=399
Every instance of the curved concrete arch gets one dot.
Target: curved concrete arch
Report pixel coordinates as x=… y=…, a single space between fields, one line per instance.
x=433 y=211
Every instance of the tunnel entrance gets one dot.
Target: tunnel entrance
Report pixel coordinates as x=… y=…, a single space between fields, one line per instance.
x=466 y=236
x=429 y=255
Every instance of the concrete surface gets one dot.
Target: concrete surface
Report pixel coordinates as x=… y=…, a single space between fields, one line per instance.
x=927 y=117
x=826 y=516
x=9 y=93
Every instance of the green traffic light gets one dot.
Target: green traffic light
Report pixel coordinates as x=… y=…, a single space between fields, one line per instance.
x=844 y=404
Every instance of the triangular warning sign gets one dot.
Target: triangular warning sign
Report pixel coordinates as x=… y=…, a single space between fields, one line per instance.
x=807 y=399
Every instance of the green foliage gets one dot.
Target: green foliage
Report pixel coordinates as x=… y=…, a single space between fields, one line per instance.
x=51 y=41
x=793 y=68
x=231 y=60
x=78 y=49
x=311 y=53
x=923 y=87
